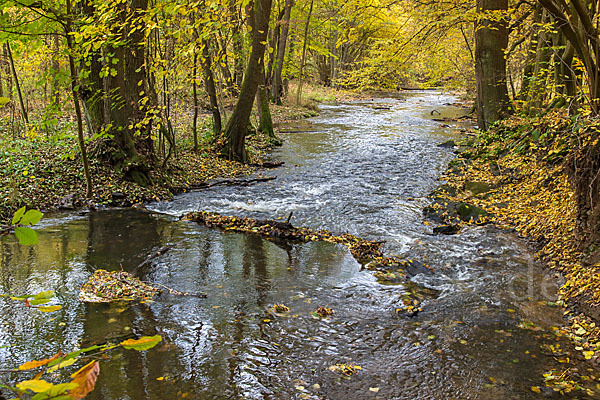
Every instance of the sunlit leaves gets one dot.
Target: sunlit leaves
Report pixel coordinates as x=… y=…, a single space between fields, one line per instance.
x=25 y=235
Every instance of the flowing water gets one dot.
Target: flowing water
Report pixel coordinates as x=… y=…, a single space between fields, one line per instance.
x=365 y=168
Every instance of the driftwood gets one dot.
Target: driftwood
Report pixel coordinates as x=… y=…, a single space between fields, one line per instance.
x=151 y=257
x=233 y=182
x=299 y=131
x=267 y=164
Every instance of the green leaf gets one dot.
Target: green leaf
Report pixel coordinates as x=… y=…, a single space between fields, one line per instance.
x=56 y=390
x=48 y=294
x=4 y=101
x=31 y=217
x=18 y=214
x=37 y=302
x=26 y=236
x=141 y=344
x=73 y=354
x=63 y=364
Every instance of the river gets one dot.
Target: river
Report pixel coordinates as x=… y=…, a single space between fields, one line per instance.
x=363 y=167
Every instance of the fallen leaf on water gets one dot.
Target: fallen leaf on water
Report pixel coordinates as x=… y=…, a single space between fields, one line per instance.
x=374 y=389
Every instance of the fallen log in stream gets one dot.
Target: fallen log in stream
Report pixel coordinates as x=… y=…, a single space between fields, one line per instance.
x=388 y=269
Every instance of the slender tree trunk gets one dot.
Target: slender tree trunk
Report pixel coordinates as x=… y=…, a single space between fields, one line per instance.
x=237 y=126
x=491 y=40
x=6 y=66
x=209 y=82
x=262 y=104
x=17 y=85
x=1 y=75
x=276 y=88
x=286 y=81
x=238 y=50
x=299 y=92
x=224 y=65
x=537 y=87
x=55 y=72
x=74 y=92
x=195 y=93
x=274 y=42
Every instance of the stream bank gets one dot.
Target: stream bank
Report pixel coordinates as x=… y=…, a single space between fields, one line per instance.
x=517 y=176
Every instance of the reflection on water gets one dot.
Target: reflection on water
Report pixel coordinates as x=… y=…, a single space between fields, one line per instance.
x=358 y=169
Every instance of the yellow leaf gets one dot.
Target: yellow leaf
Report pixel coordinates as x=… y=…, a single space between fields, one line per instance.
x=535 y=389
x=49 y=308
x=35 y=385
x=62 y=364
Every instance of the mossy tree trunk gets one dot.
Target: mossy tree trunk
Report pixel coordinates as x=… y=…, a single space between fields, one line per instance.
x=237 y=126
x=262 y=104
x=491 y=40
x=125 y=93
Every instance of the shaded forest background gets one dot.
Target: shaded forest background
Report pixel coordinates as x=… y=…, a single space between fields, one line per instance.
x=138 y=84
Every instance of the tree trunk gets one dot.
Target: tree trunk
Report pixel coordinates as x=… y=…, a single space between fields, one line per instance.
x=537 y=87
x=195 y=94
x=238 y=51
x=491 y=40
x=74 y=92
x=17 y=85
x=7 y=73
x=262 y=104
x=237 y=126
x=274 y=42
x=209 y=81
x=299 y=92
x=128 y=93
x=276 y=88
x=55 y=96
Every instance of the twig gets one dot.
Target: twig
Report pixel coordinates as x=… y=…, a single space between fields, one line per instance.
x=151 y=257
x=233 y=182
x=178 y=293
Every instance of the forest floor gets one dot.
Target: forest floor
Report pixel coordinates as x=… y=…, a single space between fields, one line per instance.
x=516 y=176
x=46 y=173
